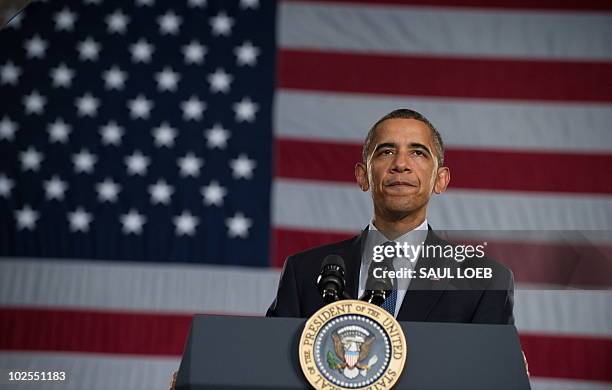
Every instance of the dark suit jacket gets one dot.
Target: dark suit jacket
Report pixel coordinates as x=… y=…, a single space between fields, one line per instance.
x=457 y=300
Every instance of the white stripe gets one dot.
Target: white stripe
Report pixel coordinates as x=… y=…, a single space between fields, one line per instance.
x=94 y=372
x=462 y=123
x=344 y=208
x=136 y=286
x=566 y=384
x=445 y=31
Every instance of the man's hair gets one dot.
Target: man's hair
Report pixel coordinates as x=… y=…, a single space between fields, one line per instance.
x=405 y=113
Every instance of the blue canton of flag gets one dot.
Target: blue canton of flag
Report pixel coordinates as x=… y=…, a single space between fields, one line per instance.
x=137 y=131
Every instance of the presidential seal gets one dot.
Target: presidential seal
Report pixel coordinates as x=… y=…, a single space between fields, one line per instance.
x=352 y=344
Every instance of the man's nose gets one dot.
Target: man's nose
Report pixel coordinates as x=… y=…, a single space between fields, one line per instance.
x=402 y=162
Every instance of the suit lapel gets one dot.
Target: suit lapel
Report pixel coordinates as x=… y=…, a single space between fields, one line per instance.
x=353 y=263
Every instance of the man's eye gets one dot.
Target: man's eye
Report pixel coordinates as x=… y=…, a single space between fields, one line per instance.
x=386 y=152
x=418 y=153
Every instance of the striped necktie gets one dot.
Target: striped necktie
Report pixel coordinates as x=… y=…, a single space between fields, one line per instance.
x=391 y=300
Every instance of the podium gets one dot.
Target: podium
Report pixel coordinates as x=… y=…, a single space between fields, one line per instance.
x=224 y=352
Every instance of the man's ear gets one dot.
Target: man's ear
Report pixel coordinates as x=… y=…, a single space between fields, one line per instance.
x=442 y=180
x=361 y=175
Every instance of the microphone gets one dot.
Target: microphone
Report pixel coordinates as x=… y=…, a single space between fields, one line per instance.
x=331 y=279
x=377 y=289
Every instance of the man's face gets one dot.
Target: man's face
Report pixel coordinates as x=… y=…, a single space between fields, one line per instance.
x=402 y=170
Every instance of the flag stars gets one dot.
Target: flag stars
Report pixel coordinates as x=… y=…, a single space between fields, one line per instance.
x=87 y=105
x=114 y=78
x=64 y=20
x=185 y=224
x=137 y=163
x=221 y=24
x=84 y=161
x=193 y=108
x=111 y=134
x=164 y=135
x=196 y=3
x=59 y=131
x=79 y=220
x=219 y=81
x=167 y=79
x=7 y=129
x=169 y=23
x=31 y=159
x=213 y=194
x=61 y=76
x=55 y=188
x=34 y=103
x=117 y=22
x=140 y=108
x=238 y=226
x=244 y=4
x=190 y=165
x=35 y=47
x=132 y=222
x=217 y=136
x=9 y=74
x=26 y=218
x=161 y=192
x=242 y=167
x=141 y=51
x=108 y=190
x=245 y=110
x=194 y=53
x=6 y=186
x=246 y=54
x=89 y=50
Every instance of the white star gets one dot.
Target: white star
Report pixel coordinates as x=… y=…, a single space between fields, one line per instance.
x=185 y=224
x=193 y=108
x=132 y=222
x=141 y=51
x=245 y=110
x=88 y=49
x=140 y=107
x=144 y=2
x=111 y=134
x=221 y=24
x=137 y=163
x=213 y=194
x=246 y=54
x=108 y=190
x=197 y=3
x=217 y=136
x=160 y=192
x=55 y=188
x=31 y=159
x=169 y=23
x=26 y=218
x=244 y=4
x=238 y=226
x=117 y=22
x=34 y=103
x=79 y=220
x=164 y=135
x=194 y=52
x=167 y=79
x=190 y=165
x=84 y=161
x=7 y=129
x=87 y=105
x=242 y=167
x=64 y=20
x=62 y=76
x=6 y=186
x=114 y=78
x=35 y=47
x=219 y=81
x=59 y=131
x=9 y=73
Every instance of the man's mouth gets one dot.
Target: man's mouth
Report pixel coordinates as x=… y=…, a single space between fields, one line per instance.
x=399 y=183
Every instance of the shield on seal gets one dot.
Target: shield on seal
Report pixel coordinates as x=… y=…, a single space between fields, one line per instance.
x=351 y=358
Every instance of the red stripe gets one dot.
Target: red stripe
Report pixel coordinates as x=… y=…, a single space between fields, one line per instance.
x=470 y=169
x=570 y=5
x=36 y=329
x=548 y=263
x=447 y=77
x=568 y=357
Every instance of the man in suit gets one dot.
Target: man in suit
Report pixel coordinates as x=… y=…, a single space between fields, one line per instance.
x=402 y=167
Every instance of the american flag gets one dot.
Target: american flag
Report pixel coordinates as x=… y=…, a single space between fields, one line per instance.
x=161 y=159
